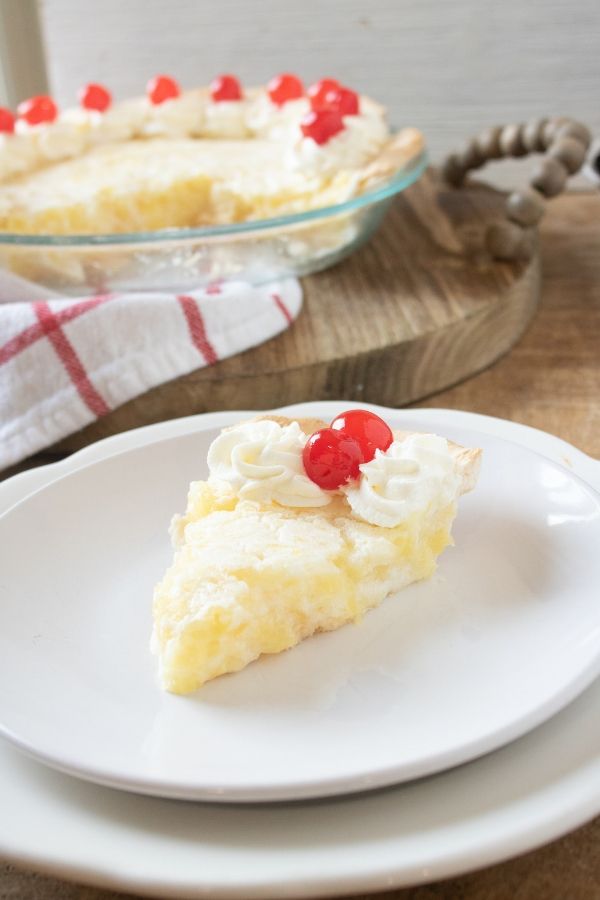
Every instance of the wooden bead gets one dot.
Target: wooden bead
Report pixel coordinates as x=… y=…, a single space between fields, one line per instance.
x=527 y=245
x=452 y=170
x=488 y=142
x=575 y=130
x=470 y=157
x=569 y=151
x=550 y=129
x=511 y=141
x=549 y=177
x=504 y=239
x=525 y=207
x=507 y=241
x=532 y=135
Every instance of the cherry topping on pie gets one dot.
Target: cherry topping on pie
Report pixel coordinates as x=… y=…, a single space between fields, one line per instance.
x=331 y=458
x=38 y=110
x=317 y=91
x=285 y=87
x=343 y=100
x=161 y=88
x=369 y=431
x=95 y=96
x=7 y=120
x=321 y=125
x=225 y=87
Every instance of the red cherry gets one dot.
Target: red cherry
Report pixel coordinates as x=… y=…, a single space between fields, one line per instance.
x=225 y=87
x=283 y=88
x=161 y=88
x=94 y=96
x=7 y=120
x=343 y=100
x=369 y=431
x=331 y=458
x=316 y=92
x=321 y=125
x=37 y=110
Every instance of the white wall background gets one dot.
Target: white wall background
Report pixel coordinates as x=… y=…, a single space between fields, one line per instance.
x=447 y=66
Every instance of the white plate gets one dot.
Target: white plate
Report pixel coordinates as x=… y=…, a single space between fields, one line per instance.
x=507 y=634
x=506 y=803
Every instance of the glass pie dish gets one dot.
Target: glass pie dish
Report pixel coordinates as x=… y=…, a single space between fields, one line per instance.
x=182 y=259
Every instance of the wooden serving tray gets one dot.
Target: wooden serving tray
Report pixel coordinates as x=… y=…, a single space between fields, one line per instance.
x=420 y=307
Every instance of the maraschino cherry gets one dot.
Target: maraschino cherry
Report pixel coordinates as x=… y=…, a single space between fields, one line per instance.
x=321 y=125
x=369 y=431
x=38 y=110
x=95 y=97
x=7 y=121
x=284 y=88
x=161 y=88
x=225 y=88
x=331 y=458
x=342 y=100
x=316 y=92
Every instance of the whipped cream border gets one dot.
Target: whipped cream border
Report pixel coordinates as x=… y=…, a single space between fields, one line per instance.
x=194 y=115
x=261 y=461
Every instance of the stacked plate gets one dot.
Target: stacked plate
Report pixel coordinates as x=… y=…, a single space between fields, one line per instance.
x=303 y=768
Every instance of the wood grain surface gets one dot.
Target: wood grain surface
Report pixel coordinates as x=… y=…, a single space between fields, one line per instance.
x=420 y=307
x=550 y=380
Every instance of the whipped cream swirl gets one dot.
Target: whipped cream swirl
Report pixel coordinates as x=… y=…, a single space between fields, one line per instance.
x=262 y=461
x=177 y=118
x=405 y=479
x=267 y=120
x=226 y=119
x=362 y=138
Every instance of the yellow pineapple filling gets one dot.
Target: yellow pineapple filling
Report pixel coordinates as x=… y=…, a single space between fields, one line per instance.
x=248 y=579
x=145 y=185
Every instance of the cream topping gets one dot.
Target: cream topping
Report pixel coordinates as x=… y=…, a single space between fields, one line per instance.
x=180 y=117
x=121 y=122
x=362 y=138
x=262 y=461
x=226 y=119
x=407 y=478
x=268 y=120
x=18 y=153
x=193 y=114
x=61 y=139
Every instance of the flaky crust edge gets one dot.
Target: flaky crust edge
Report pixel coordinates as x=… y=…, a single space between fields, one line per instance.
x=397 y=153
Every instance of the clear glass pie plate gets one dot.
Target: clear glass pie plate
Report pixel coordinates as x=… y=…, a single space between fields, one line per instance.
x=181 y=259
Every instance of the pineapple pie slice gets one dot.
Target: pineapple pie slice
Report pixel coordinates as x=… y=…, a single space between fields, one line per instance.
x=301 y=527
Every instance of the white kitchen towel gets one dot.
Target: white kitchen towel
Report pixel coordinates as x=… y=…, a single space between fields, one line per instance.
x=64 y=363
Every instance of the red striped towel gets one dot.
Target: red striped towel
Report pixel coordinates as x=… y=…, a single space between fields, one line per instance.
x=64 y=363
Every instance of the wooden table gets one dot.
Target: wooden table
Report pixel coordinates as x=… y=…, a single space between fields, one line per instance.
x=550 y=380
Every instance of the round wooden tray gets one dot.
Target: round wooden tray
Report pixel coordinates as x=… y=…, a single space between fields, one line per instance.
x=419 y=308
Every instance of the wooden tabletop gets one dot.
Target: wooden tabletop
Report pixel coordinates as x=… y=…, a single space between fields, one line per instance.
x=550 y=380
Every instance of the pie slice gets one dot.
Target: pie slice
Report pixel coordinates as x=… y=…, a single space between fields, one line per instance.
x=264 y=557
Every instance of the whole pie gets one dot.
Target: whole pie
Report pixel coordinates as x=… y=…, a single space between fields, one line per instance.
x=208 y=156
x=300 y=528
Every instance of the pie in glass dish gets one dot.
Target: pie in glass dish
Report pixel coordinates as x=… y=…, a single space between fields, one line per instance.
x=185 y=159
x=300 y=527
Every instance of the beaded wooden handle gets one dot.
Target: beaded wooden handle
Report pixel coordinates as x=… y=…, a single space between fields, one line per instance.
x=565 y=143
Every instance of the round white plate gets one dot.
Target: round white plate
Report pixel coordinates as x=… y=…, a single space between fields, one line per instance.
x=503 y=637
x=506 y=803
